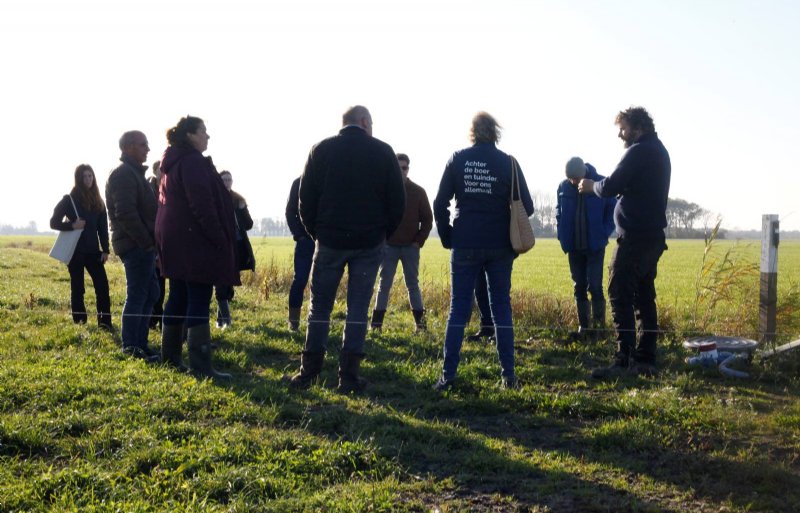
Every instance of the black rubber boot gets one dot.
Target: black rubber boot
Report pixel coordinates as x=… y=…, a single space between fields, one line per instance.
x=377 y=319
x=599 y=319
x=200 y=353
x=349 y=380
x=584 y=310
x=294 y=319
x=486 y=332
x=172 y=346
x=310 y=367
x=419 y=320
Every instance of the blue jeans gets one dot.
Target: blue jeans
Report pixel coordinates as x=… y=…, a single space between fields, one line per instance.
x=188 y=302
x=142 y=294
x=409 y=256
x=303 y=258
x=482 y=299
x=465 y=266
x=326 y=273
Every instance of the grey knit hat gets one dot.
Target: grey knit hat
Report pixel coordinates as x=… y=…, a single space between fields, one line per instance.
x=576 y=169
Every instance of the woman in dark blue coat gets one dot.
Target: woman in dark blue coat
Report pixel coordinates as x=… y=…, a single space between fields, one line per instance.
x=195 y=234
x=479 y=178
x=92 y=250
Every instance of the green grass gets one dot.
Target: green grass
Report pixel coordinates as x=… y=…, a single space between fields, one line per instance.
x=84 y=429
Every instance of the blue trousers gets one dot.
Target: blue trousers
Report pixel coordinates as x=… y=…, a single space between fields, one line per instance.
x=303 y=258
x=142 y=294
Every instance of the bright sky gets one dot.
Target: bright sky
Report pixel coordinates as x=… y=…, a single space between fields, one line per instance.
x=720 y=78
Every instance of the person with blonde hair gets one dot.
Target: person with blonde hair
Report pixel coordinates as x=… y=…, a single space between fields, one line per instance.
x=479 y=179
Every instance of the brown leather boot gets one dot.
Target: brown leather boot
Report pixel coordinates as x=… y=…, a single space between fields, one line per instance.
x=294 y=319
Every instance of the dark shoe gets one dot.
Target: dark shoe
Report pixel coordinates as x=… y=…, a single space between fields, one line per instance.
x=172 y=346
x=581 y=335
x=646 y=370
x=510 y=383
x=617 y=369
x=310 y=367
x=444 y=385
x=294 y=319
x=419 y=320
x=377 y=320
x=199 y=338
x=141 y=353
x=486 y=332
x=349 y=380
x=106 y=327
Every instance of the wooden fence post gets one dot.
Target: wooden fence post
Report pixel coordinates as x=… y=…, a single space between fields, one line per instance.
x=768 y=296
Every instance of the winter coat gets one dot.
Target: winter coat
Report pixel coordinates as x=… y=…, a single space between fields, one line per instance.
x=96 y=229
x=351 y=191
x=641 y=182
x=479 y=177
x=195 y=227
x=131 y=208
x=599 y=215
x=417 y=219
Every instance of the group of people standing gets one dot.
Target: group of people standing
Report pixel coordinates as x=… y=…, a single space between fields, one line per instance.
x=355 y=208
x=186 y=227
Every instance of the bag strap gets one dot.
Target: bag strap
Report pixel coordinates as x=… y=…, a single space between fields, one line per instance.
x=514 y=177
x=77 y=215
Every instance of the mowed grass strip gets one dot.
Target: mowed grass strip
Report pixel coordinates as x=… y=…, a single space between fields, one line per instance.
x=84 y=429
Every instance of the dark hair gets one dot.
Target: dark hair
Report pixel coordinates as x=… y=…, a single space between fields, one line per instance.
x=637 y=118
x=178 y=135
x=484 y=128
x=89 y=198
x=403 y=156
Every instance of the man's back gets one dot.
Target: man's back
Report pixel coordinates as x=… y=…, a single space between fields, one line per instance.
x=351 y=193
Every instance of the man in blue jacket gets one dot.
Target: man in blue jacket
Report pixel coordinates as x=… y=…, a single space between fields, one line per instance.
x=584 y=224
x=641 y=184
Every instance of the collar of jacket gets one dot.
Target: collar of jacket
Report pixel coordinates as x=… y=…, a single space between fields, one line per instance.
x=652 y=136
x=135 y=165
x=352 y=129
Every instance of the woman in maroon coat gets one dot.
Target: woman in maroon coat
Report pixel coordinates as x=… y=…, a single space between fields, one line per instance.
x=195 y=234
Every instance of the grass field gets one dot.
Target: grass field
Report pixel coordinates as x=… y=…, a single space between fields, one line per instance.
x=84 y=429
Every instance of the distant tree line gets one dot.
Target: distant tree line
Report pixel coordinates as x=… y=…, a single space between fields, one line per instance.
x=685 y=220
x=29 y=229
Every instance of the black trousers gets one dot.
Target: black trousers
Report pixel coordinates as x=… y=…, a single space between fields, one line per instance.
x=632 y=294
x=97 y=271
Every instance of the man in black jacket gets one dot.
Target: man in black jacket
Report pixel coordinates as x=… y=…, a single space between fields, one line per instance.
x=352 y=198
x=132 y=213
x=641 y=182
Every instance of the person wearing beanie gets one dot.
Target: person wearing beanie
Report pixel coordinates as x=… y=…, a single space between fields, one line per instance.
x=583 y=225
